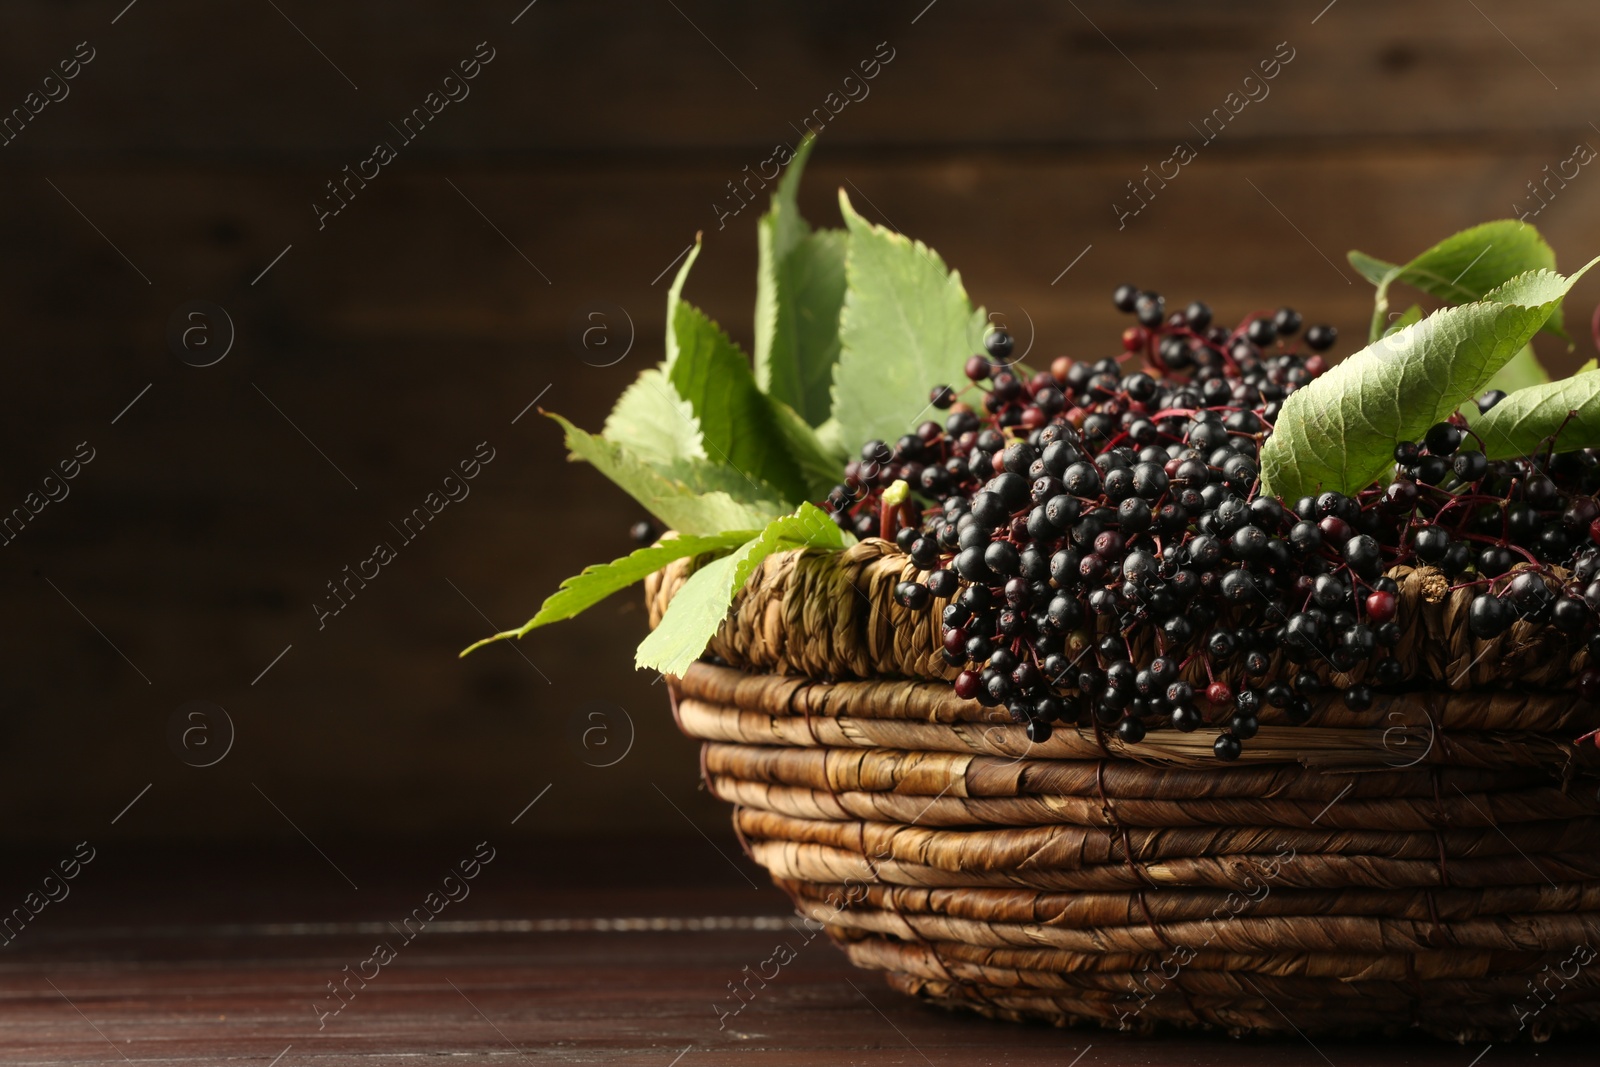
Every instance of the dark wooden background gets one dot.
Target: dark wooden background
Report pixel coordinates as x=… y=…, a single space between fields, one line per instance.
x=440 y=303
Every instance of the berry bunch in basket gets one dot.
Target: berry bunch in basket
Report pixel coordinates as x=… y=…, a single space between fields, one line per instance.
x=1106 y=557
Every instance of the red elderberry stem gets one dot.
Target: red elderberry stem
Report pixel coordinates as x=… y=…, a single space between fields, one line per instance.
x=1486 y=539
x=1115 y=441
x=1550 y=450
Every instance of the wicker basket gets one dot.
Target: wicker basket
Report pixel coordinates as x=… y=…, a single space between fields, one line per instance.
x=1433 y=862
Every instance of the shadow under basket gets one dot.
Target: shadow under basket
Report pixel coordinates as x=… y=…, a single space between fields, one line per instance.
x=1431 y=863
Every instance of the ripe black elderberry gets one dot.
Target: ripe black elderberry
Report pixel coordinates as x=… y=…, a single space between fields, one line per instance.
x=1321 y=338
x=998 y=344
x=913 y=595
x=1442 y=439
x=1149 y=309
x=1262 y=331
x=1488 y=617
x=1364 y=555
x=1470 y=466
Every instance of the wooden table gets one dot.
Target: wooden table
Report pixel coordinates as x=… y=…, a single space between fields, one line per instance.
x=563 y=953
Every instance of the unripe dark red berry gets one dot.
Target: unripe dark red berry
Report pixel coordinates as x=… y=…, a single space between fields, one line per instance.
x=1334 y=529
x=1381 y=607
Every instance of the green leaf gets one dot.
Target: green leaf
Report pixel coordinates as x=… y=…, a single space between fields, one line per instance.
x=1564 y=415
x=907 y=325
x=832 y=440
x=691 y=621
x=700 y=606
x=1522 y=371
x=583 y=591
x=737 y=423
x=788 y=225
x=1470 y=264
x=1466 y=266
x=690 y=496
x=800 y=286
x=1409 y=317
x=674 y=298
x=1339 y=432
x=821 y=465
x=708 y=379
x=1372 y=269
x=798 y=363
x=651 y=420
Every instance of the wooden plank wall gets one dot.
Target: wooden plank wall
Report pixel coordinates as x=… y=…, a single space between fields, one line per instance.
x=380 y=349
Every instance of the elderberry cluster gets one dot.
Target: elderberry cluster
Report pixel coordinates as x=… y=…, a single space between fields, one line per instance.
x=1107 y=558
x=1524 y=532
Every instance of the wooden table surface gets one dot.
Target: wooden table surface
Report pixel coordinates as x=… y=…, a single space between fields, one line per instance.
x=566 y=953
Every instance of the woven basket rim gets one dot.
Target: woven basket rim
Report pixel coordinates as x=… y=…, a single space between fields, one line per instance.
x=831 y=615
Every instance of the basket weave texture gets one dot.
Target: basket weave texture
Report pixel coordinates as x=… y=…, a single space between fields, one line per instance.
x=1433 y=862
